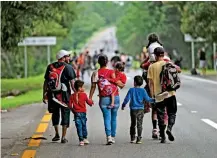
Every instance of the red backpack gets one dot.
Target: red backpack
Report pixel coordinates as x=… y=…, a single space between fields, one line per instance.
x=54 y=81
x=105 y=87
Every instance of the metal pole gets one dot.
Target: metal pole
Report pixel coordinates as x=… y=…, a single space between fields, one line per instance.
x=214 y=55
x=192 y=54
x=25 y=62
x=48 y=54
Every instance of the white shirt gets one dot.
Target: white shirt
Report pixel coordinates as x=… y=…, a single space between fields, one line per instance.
x=151 y=50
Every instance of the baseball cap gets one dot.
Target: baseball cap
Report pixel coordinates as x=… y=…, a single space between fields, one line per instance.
x=159 y=51
x=62 y=53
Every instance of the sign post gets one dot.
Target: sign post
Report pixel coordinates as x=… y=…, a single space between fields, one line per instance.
x=214 y=56
x=48 y=54
x=26 y=64
x=188 y=38
x=192 y=55
x=36 y=41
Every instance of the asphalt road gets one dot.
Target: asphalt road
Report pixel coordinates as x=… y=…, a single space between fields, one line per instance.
x=194 y=138
x=195 y=129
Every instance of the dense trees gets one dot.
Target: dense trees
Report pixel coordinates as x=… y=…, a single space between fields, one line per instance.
x=74 y=22
x=171 y=20
x=71 y=22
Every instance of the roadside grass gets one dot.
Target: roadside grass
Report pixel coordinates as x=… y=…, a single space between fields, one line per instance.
x=208 y=72
x=136 y=64
x=23 y=84
x=33 y=96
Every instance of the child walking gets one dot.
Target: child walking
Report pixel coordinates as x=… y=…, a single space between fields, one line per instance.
x=137 y=96
x=78 y=102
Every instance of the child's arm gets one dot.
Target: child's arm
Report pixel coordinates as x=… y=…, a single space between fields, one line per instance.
x=88 y=101
x=126 y=100
x=113 y=80
x=147 y=98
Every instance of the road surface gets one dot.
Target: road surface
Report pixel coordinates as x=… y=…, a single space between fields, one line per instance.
x=195 y=130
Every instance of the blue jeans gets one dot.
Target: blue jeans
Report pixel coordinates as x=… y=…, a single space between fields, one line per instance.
x=109 y=115
x=80 y=123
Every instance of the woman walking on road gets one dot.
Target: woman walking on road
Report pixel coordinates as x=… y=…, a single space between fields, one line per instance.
x=109 y=115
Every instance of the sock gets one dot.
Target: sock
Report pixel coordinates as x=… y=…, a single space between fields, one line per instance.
x=154 y=122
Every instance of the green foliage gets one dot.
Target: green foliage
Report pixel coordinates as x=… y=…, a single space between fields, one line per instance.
x=199 y=19
x=23 y=84
x=71 y=22
x=18 y=19
x=139 y=20
x=27 y=98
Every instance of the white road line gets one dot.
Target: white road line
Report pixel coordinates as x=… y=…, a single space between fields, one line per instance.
x=199 y=79
x=179 y=104
x=209 y=122
x=193 y=111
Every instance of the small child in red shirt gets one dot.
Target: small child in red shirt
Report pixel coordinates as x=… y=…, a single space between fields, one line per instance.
x=77 y=104
x=119 y=76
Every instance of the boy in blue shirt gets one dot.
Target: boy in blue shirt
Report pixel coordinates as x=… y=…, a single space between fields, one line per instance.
x=137 y=96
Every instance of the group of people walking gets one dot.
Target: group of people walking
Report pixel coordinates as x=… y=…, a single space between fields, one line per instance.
x=63 y=92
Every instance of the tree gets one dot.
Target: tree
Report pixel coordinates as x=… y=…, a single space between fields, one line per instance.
x=21 y=19
x=139 y=20
x=199 y=19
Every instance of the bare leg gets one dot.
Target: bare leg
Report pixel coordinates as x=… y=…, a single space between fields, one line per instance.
x=112 y=102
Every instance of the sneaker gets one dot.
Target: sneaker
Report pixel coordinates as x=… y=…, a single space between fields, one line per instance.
x=81 y=143
x=163 y=140
x=109 y=140
x=155 y=134
x=170 y=135
x=133 y=139
x=162 y=96
x=64 y=140
x=113 y=140
x=56 y=138
x=86 y=141
x=138 y=141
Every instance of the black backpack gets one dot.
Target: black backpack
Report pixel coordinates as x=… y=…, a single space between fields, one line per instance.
x=169 y=78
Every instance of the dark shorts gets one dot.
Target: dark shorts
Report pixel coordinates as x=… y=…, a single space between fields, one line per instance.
x=65 y=115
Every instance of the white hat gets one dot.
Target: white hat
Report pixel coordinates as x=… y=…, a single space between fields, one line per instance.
x=62 y=53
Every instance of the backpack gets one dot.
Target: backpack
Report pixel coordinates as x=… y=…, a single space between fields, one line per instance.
x=105 y=86
x=54 y=81
x=169 y=78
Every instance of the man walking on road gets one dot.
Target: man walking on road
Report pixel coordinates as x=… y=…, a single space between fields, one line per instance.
x=202 y=58
x=58 y=90
x=170 y=102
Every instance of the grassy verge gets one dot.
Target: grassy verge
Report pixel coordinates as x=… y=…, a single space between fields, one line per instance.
x=136 y=64
x=23 y=84
x=208 y=72
x=27 y=98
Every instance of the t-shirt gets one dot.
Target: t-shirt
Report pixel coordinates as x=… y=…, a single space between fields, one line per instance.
x=107 y=73
x=137 y=96
x=202 y=55
x=146 y=64
x=119 y=76
x=151 y=49
x=78 y=102
x=87 y=61
x=68 y=73
x=154 y=71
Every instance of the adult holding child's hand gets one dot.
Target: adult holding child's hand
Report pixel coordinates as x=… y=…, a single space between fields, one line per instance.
x=109 y=115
